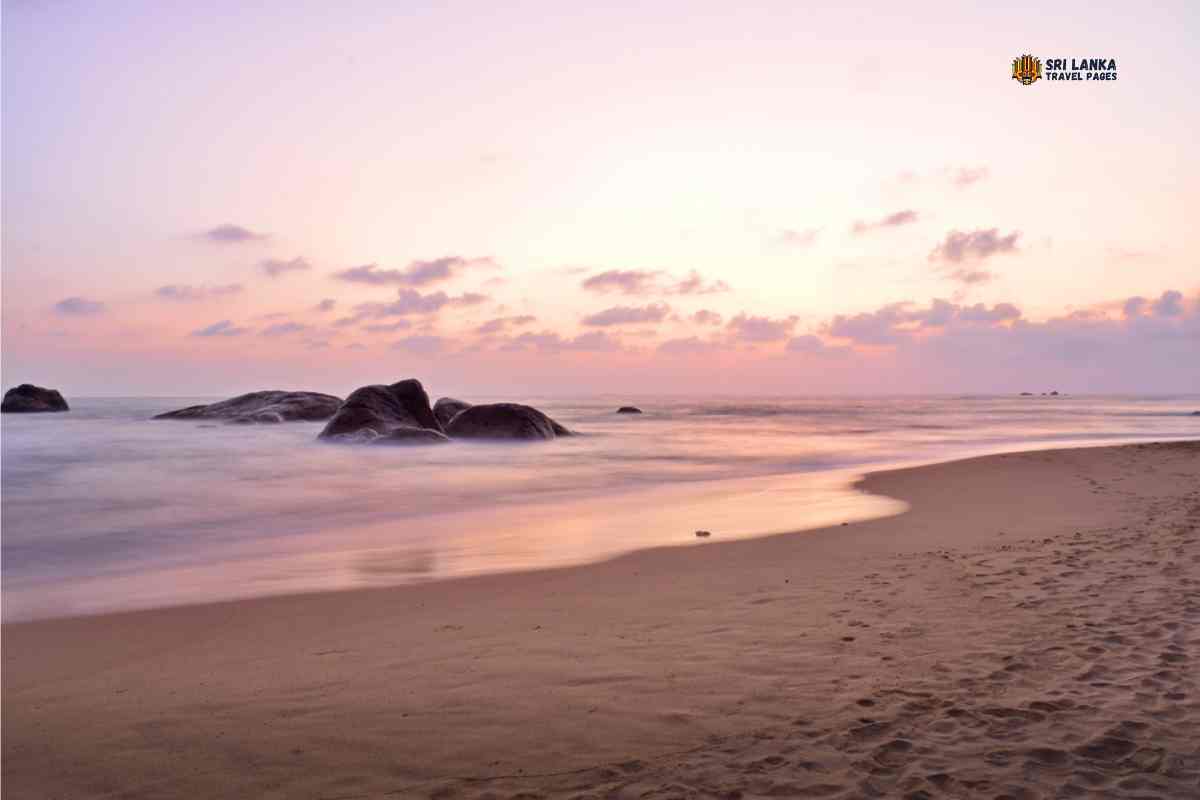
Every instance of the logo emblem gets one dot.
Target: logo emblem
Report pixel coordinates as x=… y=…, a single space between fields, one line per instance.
x=1027 y=69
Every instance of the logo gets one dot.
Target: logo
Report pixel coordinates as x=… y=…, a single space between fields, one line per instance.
x=1027 y=69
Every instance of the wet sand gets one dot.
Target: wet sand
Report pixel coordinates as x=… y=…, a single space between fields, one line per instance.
x=1030 y=628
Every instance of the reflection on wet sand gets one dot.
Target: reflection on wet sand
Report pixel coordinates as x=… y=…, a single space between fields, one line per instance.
x=509 y=538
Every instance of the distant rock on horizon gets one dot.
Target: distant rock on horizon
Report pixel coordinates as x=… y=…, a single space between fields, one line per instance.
x=265 y=407
x=629 y=410
x=30 y=399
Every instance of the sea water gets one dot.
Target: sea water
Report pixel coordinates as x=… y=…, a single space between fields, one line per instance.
x=107 y=509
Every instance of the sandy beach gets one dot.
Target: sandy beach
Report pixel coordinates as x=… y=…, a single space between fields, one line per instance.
x=1028 y=629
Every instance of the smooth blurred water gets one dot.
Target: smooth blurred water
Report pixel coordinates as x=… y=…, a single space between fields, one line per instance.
x=104 y=508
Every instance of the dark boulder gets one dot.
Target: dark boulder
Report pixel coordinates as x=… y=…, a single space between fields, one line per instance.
x=446 y=408
x=503 y=421
x=373 y=411
x=629 y=410
x=407 y=435
x=263 y=408
x=30 y=399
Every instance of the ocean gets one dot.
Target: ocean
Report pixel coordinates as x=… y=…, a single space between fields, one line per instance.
x=105 y=509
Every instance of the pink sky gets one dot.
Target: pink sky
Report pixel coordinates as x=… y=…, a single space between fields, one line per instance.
x=660 y=197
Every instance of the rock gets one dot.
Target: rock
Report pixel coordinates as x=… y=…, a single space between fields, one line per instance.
x=1026 y=394
x=30 y=399
x=446 y=408
x=629 y=410
x=373 y=411
x=703 y=534
x=407 y=435
x=503 y=421
x=263 y=408
x=1196 y=413
x=1054 y=394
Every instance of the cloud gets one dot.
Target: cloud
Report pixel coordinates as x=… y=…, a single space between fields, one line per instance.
x=962 y=177
x=78 y=307
x=388 y=327
x=625 y=281
x=896 y=220
x=1169 y=305
x=191 y=294
x=420 y=345
x=501 y=324
x=275 y=267
x=970 y=277
x=550 y=342
x=1001 y=312
x=897 y=321
x=706 y=317
x=283 y=328
x=222 y=328
x=1133 y=307
x=798 y=239
x=746 y=328
x=974 y=245
x=325 y=305
x=410 y=302
x=687 y=346
x=593 y=341
x=627 y=315
x=694 y=284
x=232 y=234
x=417 y=273
x=805 y=344
x=647 y=282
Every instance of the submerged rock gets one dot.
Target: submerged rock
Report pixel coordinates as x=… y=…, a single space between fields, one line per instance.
x=629 y=410
x=446 y=408
x=703 y=534
x=503 y=421
x=30 y=399
x=374 y=411
x=268 y=407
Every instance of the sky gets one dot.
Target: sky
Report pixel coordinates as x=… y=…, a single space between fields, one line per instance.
x=550 y=198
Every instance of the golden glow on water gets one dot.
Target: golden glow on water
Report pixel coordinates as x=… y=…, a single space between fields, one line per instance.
x=476 y=542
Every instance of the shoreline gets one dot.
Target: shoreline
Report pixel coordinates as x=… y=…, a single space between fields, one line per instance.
x=366 y=557
x=365 y=691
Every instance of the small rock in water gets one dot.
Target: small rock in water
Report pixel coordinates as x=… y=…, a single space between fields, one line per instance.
x=629 y=410
x=703 y=534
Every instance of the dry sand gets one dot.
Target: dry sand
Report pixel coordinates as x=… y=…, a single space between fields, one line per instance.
x=1031 y=628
